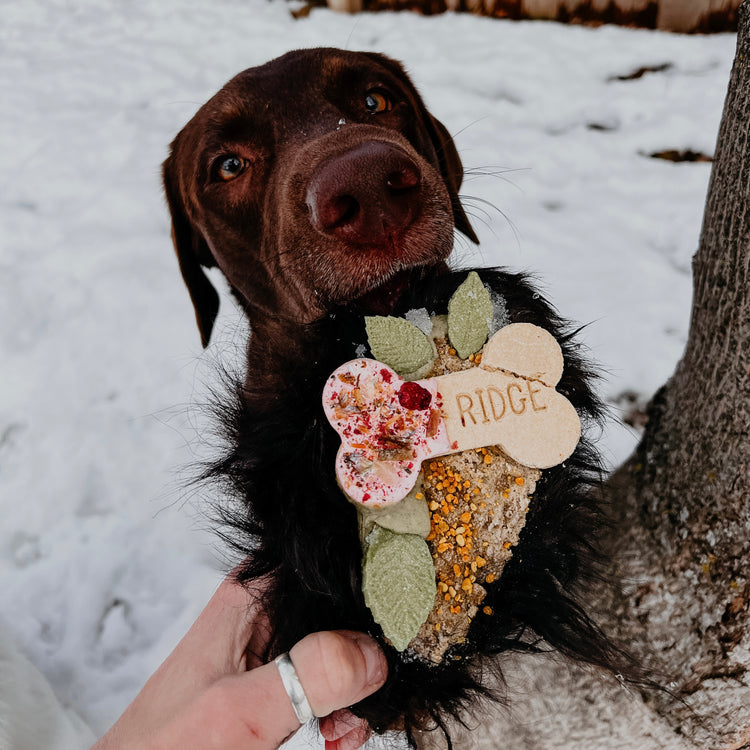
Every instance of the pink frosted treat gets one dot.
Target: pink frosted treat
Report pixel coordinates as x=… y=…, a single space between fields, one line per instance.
x=387 y=427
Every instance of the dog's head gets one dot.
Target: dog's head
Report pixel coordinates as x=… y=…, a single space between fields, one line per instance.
x=315 y=180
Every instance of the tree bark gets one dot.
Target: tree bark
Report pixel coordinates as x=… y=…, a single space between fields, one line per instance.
x=683 y=498
x=681 y=507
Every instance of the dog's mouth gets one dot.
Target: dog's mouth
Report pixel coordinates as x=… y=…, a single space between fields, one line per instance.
x=382 y=299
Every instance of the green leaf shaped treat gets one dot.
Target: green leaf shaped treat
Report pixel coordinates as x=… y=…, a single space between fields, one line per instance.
x=408 y=516
x=398 y=343
x=398 y=581
x=469 y=315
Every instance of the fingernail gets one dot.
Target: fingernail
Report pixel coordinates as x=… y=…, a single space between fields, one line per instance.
x=375 y=663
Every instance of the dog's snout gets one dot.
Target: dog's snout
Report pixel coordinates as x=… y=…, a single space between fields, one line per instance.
x=366 y=195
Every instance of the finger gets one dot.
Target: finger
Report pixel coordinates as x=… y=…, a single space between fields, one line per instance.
x=338 y=669
x=344 y=731
x=352 y=740
x=337 y=724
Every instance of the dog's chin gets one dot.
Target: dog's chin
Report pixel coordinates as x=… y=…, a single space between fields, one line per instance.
x=382 y=299
x=380 y=278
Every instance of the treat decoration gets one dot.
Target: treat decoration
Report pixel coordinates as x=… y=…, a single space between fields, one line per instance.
x=390 y=426
x=444 y=434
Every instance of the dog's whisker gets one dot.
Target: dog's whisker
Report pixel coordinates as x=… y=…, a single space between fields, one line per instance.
x=471 y=124
x=476 y=201
x=499 y=173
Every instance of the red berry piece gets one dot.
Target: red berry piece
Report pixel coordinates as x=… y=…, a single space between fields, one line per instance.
x=413 y=396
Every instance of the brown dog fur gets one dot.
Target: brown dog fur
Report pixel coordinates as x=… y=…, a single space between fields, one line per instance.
x=284 y=120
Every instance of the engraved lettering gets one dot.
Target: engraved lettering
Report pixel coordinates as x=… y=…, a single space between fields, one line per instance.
x=486 y=419
x=532 y=392
x=519 y=406
x=465 y=409
x=492 y=391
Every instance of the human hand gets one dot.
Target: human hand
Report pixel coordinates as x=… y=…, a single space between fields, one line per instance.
x=212 y=693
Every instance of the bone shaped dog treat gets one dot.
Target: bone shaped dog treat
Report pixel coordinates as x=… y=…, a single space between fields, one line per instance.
x=389 y=426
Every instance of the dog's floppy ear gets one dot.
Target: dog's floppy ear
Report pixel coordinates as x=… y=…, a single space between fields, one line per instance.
x=452 y=171
x=192 y=255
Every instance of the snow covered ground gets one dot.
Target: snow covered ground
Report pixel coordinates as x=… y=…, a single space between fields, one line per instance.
x=105 y=556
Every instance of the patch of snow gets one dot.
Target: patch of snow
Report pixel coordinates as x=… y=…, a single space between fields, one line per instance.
x=106 y=556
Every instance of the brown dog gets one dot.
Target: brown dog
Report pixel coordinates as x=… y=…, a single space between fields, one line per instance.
x=312 y=181
x=322 y=188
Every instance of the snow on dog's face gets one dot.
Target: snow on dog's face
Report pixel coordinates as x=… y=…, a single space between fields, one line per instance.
x=311 y=181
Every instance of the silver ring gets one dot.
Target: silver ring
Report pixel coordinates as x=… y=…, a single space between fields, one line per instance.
x=293 y=688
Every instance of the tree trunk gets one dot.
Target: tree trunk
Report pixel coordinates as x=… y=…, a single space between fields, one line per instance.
x=682 y=523
x=683 y=499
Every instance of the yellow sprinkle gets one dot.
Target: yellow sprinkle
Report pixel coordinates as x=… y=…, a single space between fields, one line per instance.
x=488 y=459
x=487 y=610
x=466 y=517
x=490 y=578
x=419 y=496
x=519 y=481
x=507 y=545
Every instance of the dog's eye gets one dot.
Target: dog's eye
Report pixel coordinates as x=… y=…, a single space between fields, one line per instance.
x=230 y=167
x=377 y=101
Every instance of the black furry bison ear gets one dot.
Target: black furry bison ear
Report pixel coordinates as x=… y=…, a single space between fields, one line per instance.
x=452 y=171
x=193 y=255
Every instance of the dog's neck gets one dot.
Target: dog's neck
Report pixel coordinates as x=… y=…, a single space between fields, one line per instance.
x=278 y=343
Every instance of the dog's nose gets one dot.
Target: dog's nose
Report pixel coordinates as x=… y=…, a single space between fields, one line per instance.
x=365 y=195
